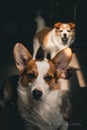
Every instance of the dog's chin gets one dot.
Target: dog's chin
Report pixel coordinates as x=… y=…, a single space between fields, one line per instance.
x=65 y=40
x=36 y=99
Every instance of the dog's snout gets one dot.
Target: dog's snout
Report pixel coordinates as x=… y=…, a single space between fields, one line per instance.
x=64 y=34
x=37 y=94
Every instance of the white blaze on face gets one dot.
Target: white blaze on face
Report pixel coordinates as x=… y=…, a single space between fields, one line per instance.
x=40 y=84
x=64 y=29
x=42 y=67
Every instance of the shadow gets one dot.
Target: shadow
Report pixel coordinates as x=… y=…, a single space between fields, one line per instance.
x=78 y=99
x=10 y=119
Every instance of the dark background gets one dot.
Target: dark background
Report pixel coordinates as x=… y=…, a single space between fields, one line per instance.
x=17 y=25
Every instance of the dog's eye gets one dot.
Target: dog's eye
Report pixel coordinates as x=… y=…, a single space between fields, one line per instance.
x=68 y=30
x=31 y=75
x=60 y=30
x=48 y=78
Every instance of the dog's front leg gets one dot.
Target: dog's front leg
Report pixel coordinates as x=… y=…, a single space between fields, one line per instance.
x=36 y=46
x=53 y=54
x=45 y=55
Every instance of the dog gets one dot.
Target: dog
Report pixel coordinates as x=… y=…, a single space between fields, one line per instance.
x=52 y=40
x=42 y=104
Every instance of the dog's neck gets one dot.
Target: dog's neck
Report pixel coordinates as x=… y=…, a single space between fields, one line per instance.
x=55 y=39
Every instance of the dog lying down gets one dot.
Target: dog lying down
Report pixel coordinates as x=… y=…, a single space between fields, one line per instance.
x=42 y=103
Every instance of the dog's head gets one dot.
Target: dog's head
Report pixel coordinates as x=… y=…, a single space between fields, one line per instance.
x=40 y=77
x=66 y=31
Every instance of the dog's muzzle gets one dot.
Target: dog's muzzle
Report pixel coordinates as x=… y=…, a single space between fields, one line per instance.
x=36 y=94
x=65 y=38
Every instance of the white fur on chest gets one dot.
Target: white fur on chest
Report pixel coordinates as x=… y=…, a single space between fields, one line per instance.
x=44 y=114
x=55 y=44
x=52 y=43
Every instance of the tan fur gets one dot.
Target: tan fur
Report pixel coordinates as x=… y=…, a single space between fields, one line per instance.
x=43 y=36
x=53 y=40
x=41 y=101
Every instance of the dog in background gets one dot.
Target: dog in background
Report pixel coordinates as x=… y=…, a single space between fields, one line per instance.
x=52 y=40
x=42 y=103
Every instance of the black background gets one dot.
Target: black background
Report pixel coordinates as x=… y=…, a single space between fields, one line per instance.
x=17 y=24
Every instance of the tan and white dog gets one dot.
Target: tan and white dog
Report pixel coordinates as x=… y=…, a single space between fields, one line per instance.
x=42 y=103
x=53 y=40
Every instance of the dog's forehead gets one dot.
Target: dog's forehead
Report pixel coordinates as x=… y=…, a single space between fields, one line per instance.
x=65 y=26
x=42 y=67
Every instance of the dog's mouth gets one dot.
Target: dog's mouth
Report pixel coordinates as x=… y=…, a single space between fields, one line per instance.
x=36 y=99
x=64 y=39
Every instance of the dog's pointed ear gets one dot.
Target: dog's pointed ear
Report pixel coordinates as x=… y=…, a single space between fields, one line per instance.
x=62 y=60
x=72 y=25
x=21 y=56
x=57 y=25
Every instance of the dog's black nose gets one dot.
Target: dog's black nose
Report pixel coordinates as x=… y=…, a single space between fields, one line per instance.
x=36 y=94
x=64 y=34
